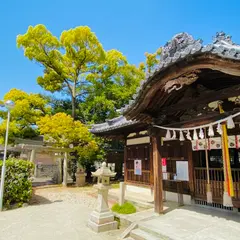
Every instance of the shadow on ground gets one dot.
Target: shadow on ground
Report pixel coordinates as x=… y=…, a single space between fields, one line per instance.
x=40 y=200
x=218 y=213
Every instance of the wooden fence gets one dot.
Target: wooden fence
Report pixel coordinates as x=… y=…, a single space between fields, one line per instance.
x=216 y=181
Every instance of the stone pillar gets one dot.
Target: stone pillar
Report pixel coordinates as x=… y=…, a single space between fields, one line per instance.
x=32 y=160
x=65 y=168
x=35 y=170
x=33 y=156
x=122 y=193
x=58 y=161
x=80 y=176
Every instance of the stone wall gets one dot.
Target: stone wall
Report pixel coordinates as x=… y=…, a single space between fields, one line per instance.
x=52 y=171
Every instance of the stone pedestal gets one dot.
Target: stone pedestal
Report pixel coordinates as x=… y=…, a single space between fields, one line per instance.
x=102 y=219
x=80 y=179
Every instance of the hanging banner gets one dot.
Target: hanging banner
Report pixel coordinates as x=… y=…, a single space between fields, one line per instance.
x=215 y=143
x=164 y=168
x=138 y=167
x=164 y=165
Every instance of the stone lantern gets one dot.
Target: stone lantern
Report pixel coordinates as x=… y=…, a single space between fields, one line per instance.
x=102 y=219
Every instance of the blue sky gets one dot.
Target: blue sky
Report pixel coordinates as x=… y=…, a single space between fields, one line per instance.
x=131 y=26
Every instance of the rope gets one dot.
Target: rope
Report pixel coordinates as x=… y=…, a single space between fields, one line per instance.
x=198 y=127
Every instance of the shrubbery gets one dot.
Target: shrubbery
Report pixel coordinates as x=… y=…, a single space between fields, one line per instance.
x=18 y=186
x=126 y=208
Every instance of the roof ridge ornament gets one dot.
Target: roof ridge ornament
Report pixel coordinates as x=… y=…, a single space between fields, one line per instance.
x=183 y=47
x=222 y=38
x=179 y=43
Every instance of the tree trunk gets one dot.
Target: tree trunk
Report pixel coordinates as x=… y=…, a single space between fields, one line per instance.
x=74 y=107
x=74 y=101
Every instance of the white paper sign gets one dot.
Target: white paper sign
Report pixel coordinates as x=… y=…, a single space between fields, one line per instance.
x=182 y=170
x=138 y=167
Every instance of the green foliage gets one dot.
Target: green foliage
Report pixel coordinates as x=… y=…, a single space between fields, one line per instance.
x=77 y=65
x=59 y=105
x=152 y=60
x=28 y=109
x=111 y=87
x=115 y=185
x=18 y=186
x=61 y=130
x=126 y=208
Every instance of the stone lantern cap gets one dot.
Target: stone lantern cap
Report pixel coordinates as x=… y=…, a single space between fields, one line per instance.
x=104 y=171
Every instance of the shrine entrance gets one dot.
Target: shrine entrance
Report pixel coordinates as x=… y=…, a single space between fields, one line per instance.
x=184 y=104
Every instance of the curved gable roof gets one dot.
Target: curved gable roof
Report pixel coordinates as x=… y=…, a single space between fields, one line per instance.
x=180 y=48
x=183 y=47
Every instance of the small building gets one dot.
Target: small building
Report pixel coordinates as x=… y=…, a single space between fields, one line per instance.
x=166 y=125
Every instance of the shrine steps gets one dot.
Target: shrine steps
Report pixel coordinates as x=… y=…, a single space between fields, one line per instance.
x=144 y=234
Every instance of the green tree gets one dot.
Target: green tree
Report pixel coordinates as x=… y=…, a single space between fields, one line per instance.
x=76 y=64
x=28 y=109
x=62 y=130
x=112 y=85
x=152 y=60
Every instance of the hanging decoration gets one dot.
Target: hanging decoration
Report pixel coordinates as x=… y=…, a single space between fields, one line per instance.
x=219 y=128
x=210 y=131
x=201 y=134
x=230 y=123
x=188 y=135
x=228 y=181
x=181 y=137
x=174 y=135
x=168 y=135
x=228 y=120
x=195 y=136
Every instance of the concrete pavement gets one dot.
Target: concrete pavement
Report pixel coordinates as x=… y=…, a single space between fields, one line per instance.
x=194 y=223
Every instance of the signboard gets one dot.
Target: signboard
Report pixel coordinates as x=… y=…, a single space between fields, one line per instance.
x=182 y=170
x=138 y=167
x=164 y=165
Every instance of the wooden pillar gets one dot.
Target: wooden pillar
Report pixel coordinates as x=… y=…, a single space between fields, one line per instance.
x=125 y=161
x=151 y=163
x=157 y=171
x=65 y=168
x=190 y=168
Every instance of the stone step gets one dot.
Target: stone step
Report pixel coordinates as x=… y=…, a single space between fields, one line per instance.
x=128 y=230
x=152 y=231
x=139 y=234
x=127 y=220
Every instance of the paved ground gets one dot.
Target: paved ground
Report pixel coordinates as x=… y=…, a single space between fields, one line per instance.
x=195 y=223
x=55 y=214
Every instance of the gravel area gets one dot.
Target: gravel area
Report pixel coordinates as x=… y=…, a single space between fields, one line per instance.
x=54 y=213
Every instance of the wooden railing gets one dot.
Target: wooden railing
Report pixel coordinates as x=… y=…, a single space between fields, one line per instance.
x=143 y=179
x=176 y=186
x=216 y=181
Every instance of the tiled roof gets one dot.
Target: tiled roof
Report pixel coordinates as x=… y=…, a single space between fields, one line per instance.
x=181 y=47
x=111 y=124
